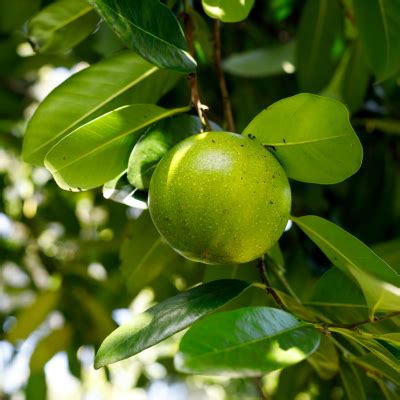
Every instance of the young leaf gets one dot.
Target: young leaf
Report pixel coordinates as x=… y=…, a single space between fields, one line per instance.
x=123 y=79
x=264 y=62
x=149 y=28
x=311 y=136
x=228 y=10
x=62 y=25
x=377 y=22
x=378 y=281
x=99 y=150
x=249 y=341
x=152 y=146
x=167 y=318
x=320 y=41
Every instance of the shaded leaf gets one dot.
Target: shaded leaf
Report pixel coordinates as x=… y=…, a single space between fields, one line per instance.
x=119 y=80
x=106 y=141
x=325 y=360
x=245 y=342
x=149 y=28
x=319 y=44
x=167 y=318
x=14 y=13
x=62 y=25
x=377 y=22
x=262 y=62
x=352 y=382
x=378 y=281
x=311 y=136
x=228 y=10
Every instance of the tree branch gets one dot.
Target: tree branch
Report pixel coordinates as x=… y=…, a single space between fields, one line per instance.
x=268 y=287
x=355 y=325
x=221 y=77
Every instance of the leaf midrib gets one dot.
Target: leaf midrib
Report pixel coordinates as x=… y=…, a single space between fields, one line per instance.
x=280 y=144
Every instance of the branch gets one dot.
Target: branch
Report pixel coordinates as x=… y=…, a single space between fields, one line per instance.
x=355 y=325
x=195 y=98
x=221 y=77
x=268 y=287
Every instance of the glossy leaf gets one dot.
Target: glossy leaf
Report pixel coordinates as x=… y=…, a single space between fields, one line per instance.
x=378 y=281
x=377 y=22
x=167 y=318
x=149 y=28
x=311 y=136
x=245 y=342
x=390 y=252
x=119 y=80
x=106 y=141
x=228 y=10
x=319 y=44
x=261 y=63
x=352 y=382
x=32 y=316
x=62 y=25
x=152 y=146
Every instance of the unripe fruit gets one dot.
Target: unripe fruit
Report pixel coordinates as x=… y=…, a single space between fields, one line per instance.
x=220 y=198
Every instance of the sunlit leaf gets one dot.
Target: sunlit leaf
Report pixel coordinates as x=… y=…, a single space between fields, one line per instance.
x=245 y=342
x=228 y=10
x=167 y=318
x=119 y=80
x=311 y=136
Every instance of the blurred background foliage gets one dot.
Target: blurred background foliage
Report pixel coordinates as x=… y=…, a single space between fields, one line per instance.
x=75 y=265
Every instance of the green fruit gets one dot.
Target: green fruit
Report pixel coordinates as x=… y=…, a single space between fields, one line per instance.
x=220 y=198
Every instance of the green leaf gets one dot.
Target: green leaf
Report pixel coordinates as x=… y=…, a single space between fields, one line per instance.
x=311 y=136
x=228 y=10
x=245 y=342
x=375 y=364
x=378 y=281
x=149 y=28
x=377 y=22
x=32 y=316
x=356 y=78
x=36 y=387
x=106 y=141
x=390 y=126
x=152 y=146
x=325 y=360
x=62 y=25
x=167 y=318
x=123 y=79
x=320 y=43
x=260 y=63
x=352 y=382
x=390 y=252
x=58 y=340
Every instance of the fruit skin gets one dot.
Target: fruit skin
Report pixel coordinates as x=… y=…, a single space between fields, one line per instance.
x=220 y=198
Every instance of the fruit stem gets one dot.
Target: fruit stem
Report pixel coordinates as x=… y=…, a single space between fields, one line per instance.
x=195 y=97
x=265 y=280
x=228 y=115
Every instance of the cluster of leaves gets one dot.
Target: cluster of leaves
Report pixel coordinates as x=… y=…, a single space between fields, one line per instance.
x=102 y=127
